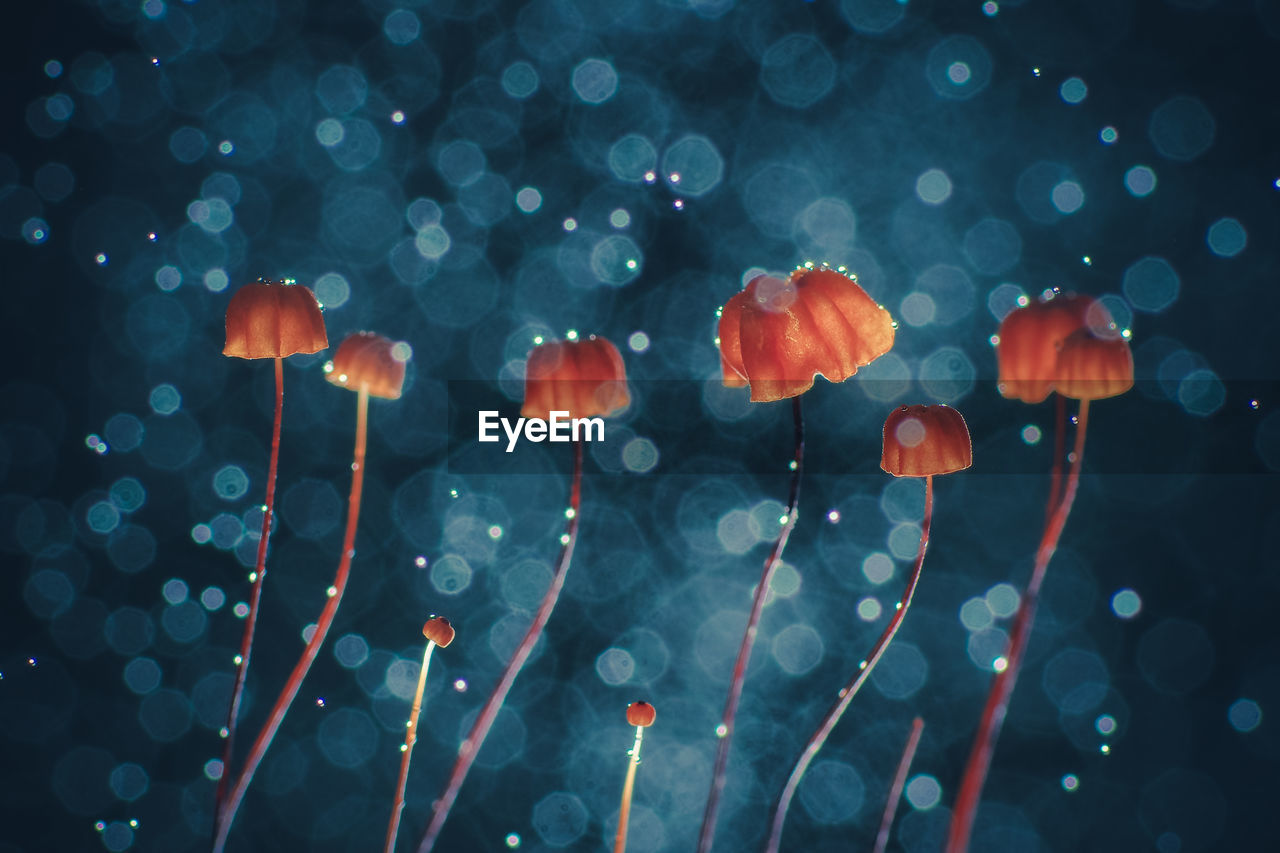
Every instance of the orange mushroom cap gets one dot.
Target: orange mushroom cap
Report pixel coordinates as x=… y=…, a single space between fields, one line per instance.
x=1029 y=339
x=274 y=319
x=923 y=440
x=370 y=360
x=439 y=631
x=1093 y=367
x=584 y=378
x=641 y=714
x=776 y=336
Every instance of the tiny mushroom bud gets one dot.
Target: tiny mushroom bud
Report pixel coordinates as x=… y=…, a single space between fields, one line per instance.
x=438 y=630
x=641 y=714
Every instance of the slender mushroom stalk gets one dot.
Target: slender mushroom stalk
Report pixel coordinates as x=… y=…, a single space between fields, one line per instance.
x=1088 y=367
x=919 y=441
x=440 y=633
x=898 y=784
x=641 y=715
x=583 y=378
x=776 y=336
x=369 y=364
x=264 y=320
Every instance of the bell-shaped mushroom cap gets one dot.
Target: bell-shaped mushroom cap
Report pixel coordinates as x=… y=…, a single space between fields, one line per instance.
x=271 y=319
x=438 y=630
x=777 y=335
x=371 y=360
x=641 y=714
x=585 y=378
x=1029 y=339
x=923 y=440
x=1091 y=367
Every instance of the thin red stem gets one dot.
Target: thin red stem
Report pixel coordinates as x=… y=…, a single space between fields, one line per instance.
x=255 y=596
x=471 y=745
x=1059 y=446
x=859 y=678
x=993 y=714
x=899 y=783
x=300 y=669
x=410 y=738
x=725 y=731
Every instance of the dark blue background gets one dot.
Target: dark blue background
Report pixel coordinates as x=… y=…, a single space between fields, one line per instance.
x=824 y=118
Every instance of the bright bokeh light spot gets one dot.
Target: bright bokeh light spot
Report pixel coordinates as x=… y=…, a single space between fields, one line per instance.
x=933 y=187
x=923 y=792
x=638 y=342
x=959 y=73
x=329 y=132
x=1108 y=135
x=175 y=591
x=165 y=399
x=1070 y=782
x=1073 y=90
x=1140 y=181
x=869 y=609
x=1227 y=237
x=917 y=309
x=1068 y=197
x=991 y=8
x=528 y=199
x=1126 y=604
x=620 y=218
x=595 y=81
x=1105 y=725
x=1003 y=600
x=877 y=567
x=1031 y=434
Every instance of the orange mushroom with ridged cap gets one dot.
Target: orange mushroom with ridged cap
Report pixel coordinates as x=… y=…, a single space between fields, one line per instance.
x=264 y=319
x=1093 y=362
x=919 y=441
x=370 y=365
x=778 y=334
x=775 y=337
x=580 y=377
x=440 y=633
x=1030 y=336
x=583 y=376
x=641 y=715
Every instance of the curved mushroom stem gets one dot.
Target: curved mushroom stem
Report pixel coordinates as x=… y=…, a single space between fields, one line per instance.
x=855 y=683
x=899 y=782
x=410 y=738
x=624 y=812
x=993 y=714
x=300 y=669
x=484 y=721
x=725 y=730
x=255 y=596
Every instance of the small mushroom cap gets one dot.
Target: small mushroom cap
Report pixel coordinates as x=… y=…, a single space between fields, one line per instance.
x=438 y=630
x=371 y=360
x=920 y=441
x=1091 y=367
x=585 y=378
x=777 y=335
x=641 y=714
x=274 y=319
